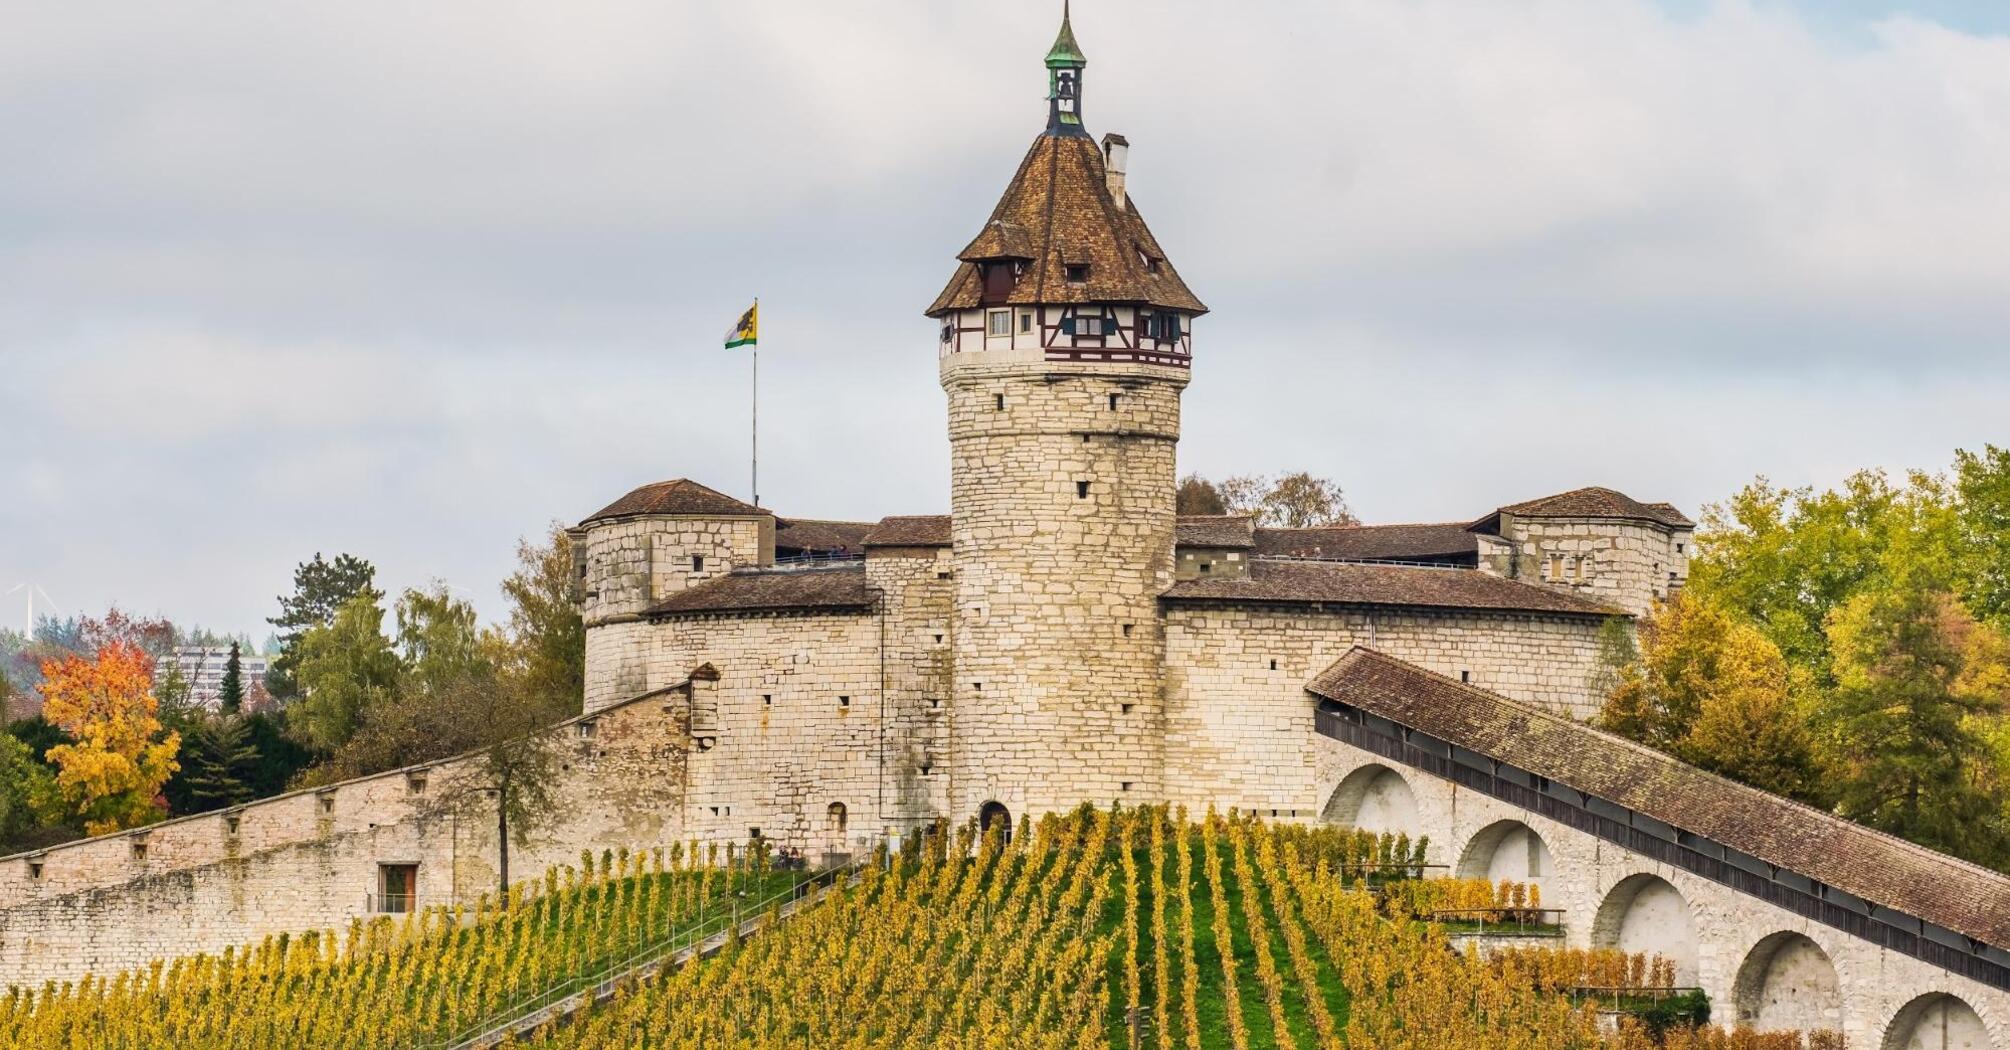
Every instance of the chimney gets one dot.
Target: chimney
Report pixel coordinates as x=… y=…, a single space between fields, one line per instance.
x=1116 y=154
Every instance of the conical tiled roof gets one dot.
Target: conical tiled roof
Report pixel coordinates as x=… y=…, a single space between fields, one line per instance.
x=678 y=496
x=1059 y=211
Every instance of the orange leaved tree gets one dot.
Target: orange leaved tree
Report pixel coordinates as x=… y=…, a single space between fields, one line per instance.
x=112 y=775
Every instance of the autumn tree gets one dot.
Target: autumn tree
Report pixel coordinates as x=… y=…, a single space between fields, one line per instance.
x=1786 y=559
x=30 y=802
x=513 y=778
x=546 y=638
x=1198 y=496
x=1291 y=501
x=321 y=589
x=112 y=775
x=1982 y=484
x=1715 y=692
x=1919 y=684
x=342 y=667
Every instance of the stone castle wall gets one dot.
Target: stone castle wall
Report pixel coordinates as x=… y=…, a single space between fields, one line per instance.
x=794 y=724
x=635 y=562
x=1062 y=479
x=310 y=859
x=1628 y=564
x=1238 y=722
x=918 y=596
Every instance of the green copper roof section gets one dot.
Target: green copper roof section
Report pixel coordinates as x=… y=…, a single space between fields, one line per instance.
x=1066 y=53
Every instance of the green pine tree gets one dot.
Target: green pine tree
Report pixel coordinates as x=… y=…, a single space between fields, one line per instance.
x=231 y=694
x=219 y=756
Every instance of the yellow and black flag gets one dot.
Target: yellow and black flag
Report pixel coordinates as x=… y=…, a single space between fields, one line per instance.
x=747 y=332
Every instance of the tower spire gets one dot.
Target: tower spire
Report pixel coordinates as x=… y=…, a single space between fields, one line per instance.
x=1065 y=62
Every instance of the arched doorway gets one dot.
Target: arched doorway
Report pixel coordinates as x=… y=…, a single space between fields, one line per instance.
x=1788 y=984
x=1506 y=849
x=994 y=814
x=1646 y=913
x=1936 y=1021
x=1373 y=798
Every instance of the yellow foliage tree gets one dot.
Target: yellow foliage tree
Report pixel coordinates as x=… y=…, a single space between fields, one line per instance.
x=112 y=775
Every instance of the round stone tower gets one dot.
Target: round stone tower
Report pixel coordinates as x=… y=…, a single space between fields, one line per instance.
x=1064 y=345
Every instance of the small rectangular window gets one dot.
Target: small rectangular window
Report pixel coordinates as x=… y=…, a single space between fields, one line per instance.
x=1127 y=785
x=139 y=849
x=697 y=563
x=1068 y=324
x=1081 y=490
x=231 y=823
x=1113 y=402
x=1078 y=273
x=1000 y=403
x=397 y=887
x=1465 y=676
x=1025 y=320
x=844 y=701
x=1678 y=548
x=767 y=699
x=998 y=322
x=34 y=869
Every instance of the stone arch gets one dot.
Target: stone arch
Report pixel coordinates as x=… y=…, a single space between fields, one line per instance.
x=836 y=816
x=1787 y=983
x=1646 y=913
x=1937 y=1021
x=1373 y=798
x=1506 y=849
x=994 y=813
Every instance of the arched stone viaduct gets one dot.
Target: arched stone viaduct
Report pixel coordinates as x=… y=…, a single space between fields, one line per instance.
x=1774 y=947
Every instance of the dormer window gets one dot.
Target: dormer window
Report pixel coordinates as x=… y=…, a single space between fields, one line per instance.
x=1077 y=273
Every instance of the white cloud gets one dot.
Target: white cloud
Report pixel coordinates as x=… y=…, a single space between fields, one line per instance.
x=414 y=282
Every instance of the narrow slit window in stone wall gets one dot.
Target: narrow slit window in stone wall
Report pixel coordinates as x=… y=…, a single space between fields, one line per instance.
x=1081 y=490
x=697 y=563
x=1000 y=403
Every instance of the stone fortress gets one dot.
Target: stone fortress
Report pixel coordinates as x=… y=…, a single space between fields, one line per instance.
x=1063 y=636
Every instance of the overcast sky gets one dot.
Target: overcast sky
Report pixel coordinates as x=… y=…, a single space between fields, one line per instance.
x=411 y=281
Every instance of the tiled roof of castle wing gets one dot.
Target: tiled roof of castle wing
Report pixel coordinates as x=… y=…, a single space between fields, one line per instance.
x=918 y=530
x=1594 y=502
x=1058 y=210
x=807 y=589
x=678 y=496
x=1222 y=531
x=1369 y=542
x=1345 y=583
x=805 y=534
x=1855 y=859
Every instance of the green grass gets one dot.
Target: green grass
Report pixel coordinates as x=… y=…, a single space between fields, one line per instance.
x=1212 y=1001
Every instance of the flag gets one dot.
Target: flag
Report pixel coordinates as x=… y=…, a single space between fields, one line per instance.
x=746 y=332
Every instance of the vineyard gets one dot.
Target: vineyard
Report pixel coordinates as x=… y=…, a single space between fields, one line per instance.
x=1097 y=930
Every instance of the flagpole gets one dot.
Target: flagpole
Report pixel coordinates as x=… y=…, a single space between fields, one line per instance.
x=754 y=446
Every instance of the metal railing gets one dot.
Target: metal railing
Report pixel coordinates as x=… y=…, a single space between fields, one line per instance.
x=1502 y=922
x=681 y=945
x=389 y=903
